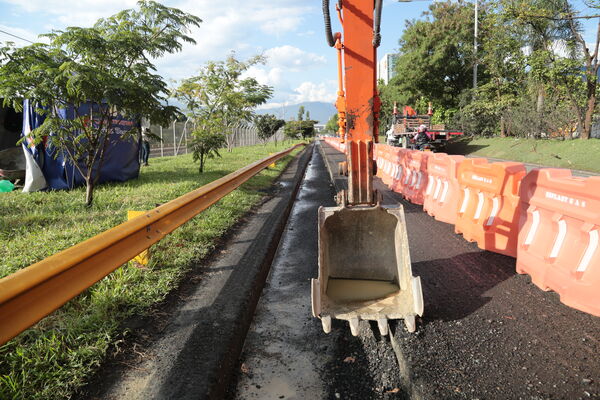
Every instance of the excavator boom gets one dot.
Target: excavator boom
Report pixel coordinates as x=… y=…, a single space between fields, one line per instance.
x=364 y=262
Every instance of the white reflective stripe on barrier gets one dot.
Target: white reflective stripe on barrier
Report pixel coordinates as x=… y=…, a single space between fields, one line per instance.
x=429 y=187
x=419 y=180
x=495 y=208
x=414 y=179
x=408 y=172
x=399 y=174
x=589 y=252
x=445 y=192
x=438 y=187
x=480 y=201
x=560 y=238
x=534 y=227
x=465 y=202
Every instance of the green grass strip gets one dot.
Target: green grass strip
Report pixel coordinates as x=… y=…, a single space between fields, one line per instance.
x=571 y=154
x=55 y=357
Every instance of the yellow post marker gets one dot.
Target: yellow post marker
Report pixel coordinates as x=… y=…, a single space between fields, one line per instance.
x=271 y=165
x=144 y=257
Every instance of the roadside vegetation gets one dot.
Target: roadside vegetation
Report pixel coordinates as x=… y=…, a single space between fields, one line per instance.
x=56 y=356
x=536 y=75
x=571 y=154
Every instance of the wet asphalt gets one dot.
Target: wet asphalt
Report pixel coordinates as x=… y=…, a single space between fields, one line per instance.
x=286 y=353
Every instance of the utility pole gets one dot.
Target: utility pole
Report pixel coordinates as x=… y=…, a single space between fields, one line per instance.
x=475 y=44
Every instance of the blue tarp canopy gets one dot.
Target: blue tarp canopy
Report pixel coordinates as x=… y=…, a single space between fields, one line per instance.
x=121 y=157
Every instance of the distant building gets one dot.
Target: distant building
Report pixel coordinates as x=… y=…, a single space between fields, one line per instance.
x=386 y=67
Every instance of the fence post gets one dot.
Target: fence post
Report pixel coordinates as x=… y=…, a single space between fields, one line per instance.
x=175 y=137
x=162 y=143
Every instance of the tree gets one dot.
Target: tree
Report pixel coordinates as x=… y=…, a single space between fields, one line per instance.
x=103 y=74
x=206 y=142
x=267 y=126
x=299 y=129
x=301 y=113
x=332 y=124
x=574 y=77
x=436 y=56
x=485 y=110
x=219 y=92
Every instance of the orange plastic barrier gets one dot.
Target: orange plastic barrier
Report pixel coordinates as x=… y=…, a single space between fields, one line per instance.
x=414 y=181
x=488 y=211
x=335 y=142
x=386 y=165
x=559 y=236
x=398 y=159
x=443 y=191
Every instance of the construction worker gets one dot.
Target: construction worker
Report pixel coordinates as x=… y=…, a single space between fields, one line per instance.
x=421 y=138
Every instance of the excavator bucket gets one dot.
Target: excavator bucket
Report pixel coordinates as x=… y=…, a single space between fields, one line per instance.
x=364 y=268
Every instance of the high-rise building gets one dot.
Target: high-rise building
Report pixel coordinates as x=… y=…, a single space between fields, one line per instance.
x=386 y=67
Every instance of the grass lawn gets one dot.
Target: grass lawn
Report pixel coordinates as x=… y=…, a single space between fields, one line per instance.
x=572 y=154
x=55 y=357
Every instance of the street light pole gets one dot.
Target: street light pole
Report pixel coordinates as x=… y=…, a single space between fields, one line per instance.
x=475 y=45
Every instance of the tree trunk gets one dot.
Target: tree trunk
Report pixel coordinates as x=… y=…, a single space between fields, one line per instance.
x=586 y=129
x=540 y=111
x=502 y=130
x=89 y=192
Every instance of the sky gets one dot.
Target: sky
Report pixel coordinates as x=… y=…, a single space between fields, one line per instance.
x=301 y=66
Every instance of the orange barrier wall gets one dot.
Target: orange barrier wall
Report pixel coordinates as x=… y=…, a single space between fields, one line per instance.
x=559 y=238
x=488 y=211
x=398 y=158
x=415 y=182
x=443 y=191
x=335 y=142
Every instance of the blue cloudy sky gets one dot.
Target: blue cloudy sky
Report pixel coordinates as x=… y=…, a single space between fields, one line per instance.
x=301 y=67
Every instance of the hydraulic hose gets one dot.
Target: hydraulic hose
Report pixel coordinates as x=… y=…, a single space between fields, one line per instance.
x=326 y=16
x=377 y=23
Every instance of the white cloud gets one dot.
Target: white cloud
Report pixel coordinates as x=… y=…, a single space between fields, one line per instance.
x=80 y=13
x=307 y=33
x=310 y=91
x=264 y=76
x=293 y=58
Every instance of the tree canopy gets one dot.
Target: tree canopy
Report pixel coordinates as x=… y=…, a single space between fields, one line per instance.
x=537 y=76
x=107 y=67
x=221 y=92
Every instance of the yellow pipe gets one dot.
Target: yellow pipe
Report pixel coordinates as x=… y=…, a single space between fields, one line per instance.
x=32 y=293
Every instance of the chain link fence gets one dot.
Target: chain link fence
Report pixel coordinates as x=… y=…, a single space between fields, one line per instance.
x=177 y=135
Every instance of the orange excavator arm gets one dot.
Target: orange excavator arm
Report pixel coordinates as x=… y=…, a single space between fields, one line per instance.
x=358 y=102
x=364 y=263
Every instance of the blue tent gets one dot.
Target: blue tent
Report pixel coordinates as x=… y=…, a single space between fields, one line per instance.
x=121 y=158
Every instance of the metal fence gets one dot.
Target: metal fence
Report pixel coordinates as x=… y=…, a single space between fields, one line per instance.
x=177 y=135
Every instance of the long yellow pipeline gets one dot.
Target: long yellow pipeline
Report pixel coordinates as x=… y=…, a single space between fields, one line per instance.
x=32 y=293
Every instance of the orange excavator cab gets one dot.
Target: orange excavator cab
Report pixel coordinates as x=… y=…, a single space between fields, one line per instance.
x=364 y=261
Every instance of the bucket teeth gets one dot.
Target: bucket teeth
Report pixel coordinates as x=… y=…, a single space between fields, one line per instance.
x=353 y=326
x=382 y=323
x=326 y=321
x=410 y=323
